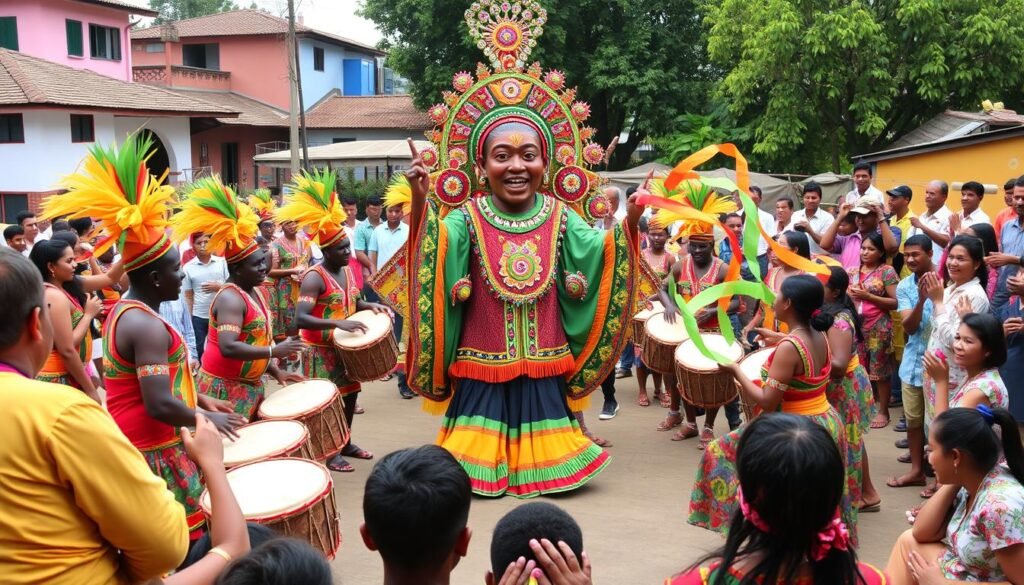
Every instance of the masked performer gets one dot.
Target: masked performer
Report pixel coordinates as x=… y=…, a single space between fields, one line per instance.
x=519 y=309
x=150 y=391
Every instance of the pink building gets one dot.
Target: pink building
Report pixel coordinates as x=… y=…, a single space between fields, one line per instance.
x=82 y=34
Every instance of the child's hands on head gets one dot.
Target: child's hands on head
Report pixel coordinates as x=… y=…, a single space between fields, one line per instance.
x=554 y=566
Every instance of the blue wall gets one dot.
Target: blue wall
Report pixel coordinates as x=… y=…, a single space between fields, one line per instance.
x=350 y=72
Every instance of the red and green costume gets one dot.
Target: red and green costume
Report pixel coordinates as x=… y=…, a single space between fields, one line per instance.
x=54 y=370
x=321 y=358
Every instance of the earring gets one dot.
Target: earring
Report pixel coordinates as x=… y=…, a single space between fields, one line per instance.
x=483 y=179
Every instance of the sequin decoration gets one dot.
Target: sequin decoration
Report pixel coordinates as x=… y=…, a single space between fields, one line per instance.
x=462 y=81
x=576 y=286
x=452 y=187
x=593 y=153
x=599 y=206
x=520 y=264
x=429 y=156
x=555 y=79
x=462 y=290
x=571 y=184
x=438 y=113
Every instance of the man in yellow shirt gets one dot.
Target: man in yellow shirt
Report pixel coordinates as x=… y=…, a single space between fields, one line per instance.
x=78 y=503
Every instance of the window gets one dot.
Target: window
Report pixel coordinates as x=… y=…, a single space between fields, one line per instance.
x=82 y=129
x=12 y=128
x=11 y=205
x=318 y=58
x=154 y=47
x=9 y=32
x=104 y=42
x=74 y=34
x=206 y=56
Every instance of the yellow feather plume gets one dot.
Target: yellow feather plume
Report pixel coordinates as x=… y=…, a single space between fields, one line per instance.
x=114 y=187
x=692 y=193
x=262 y=202
x=399 y=192
x=212 y=208
x=313 y=204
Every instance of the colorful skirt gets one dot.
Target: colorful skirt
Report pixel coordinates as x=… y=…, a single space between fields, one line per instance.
x=244 y=396
x=171 y=463
x=519 y=438
x=876 y=350
x=283 y=297
x=851 y=397
x=323 y=363
x=62 y=378
x=714 y=498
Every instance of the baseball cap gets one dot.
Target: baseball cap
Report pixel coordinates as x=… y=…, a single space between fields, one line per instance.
x=865 y=203
x=901 y=191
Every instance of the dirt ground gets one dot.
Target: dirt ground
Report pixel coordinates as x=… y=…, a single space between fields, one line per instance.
x=632 y=514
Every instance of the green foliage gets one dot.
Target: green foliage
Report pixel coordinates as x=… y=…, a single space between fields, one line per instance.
x=361 y=190
x=640 y=63
x=171 y=10
x=692 y=132
x=818 y=80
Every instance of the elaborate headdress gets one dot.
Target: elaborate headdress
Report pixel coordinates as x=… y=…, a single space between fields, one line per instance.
x=212 y=208
x=507 y=32
x=114 y=187
x=399 y=192
x=694 y=194
x=313 y=204
x=262 y=202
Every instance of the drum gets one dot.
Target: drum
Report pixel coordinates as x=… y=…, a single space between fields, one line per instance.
x=293 y=497
x=660 y=342
x=751 y=366
x=267 y=439
x=640 y=319
x=368 y=356
x=316 y=404
x=701 y=382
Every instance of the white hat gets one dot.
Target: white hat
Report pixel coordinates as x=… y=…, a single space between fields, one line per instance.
x=865 y=203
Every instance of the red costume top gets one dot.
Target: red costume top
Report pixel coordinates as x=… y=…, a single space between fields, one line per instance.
x=255 y=331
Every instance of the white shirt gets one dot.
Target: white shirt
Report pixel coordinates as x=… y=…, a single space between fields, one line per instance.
x=768 y=224
x=819 y=222
x=978 y=216
x=939 y=222
x=386 y=241
x=854 y=195
x=196 y=275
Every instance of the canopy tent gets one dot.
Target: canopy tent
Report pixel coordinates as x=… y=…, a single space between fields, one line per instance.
x=393 y=154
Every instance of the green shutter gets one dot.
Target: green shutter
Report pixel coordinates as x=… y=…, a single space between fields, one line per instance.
x=74 y=34
x=9 y=32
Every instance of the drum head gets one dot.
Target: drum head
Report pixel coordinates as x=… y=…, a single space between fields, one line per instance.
x=751 y=365
x=298 y=399
x=377 y=324
x=669 y=333
x=690 y=358
x=269 y=489
x=263 y=439
x=646 y=313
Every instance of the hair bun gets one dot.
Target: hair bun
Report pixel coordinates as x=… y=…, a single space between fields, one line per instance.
x=822 y=321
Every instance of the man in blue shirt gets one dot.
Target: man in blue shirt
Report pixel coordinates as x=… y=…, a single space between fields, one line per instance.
x=916 y=310
x=1011 y=248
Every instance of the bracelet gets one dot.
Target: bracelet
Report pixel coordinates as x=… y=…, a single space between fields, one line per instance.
x=152 y=370
x=220 y=553
x=270 y=352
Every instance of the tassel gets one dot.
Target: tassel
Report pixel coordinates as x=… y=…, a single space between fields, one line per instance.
x=435 y=407
x=578 y=404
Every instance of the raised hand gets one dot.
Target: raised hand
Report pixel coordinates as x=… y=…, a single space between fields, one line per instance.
x=288 y=347
x=205 y=446
x=418 y=175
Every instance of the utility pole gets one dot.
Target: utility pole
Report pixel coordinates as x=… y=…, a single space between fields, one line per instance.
x=293 y=133
x=302 y=105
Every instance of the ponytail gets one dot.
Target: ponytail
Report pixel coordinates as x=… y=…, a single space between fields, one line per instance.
x=970 y=430
x=1013 y=450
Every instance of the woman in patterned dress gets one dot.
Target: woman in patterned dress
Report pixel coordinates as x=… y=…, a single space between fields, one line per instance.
x=660 y=260
x=980 y=349
x=849 y=390
x=873 y=289
x=289 y=257
x=793 y=380
x=974 y=524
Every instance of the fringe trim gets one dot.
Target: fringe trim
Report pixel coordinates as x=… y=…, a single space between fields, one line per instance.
x=578 y=404
x=435 y=407
x=496 y=374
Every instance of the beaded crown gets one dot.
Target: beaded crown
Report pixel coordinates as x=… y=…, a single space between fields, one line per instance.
x=507 y=31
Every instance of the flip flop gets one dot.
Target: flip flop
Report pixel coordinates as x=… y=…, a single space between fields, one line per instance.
x=355 y=452
x=339 y=465
x=603 y=443
x=643 y=400
x=894 y=482
x=869 y=508
x=880 y=425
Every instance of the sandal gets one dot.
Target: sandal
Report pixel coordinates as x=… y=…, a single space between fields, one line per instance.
x=866 y=508
x=359 y=409
x=706 y=436
x=671 y=421
x=603 y=443
x=688 y=431
x=339 y=465
x=929 y=491
x=664 y=399
x=898 y=482
x=643 y=399
x=880 y=422
x=355 y=452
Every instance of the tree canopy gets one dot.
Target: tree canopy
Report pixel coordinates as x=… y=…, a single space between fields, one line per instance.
x=640 y=63
x=171 y=10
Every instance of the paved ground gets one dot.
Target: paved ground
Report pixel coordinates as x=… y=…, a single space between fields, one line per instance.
x=632 y=514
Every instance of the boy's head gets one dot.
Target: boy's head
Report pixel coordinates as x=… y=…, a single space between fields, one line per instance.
x=536 y=520
x=15 y=236
x=415 y=507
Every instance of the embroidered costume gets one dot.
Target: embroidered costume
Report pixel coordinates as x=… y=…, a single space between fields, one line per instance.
x=321 y=355
x=284 y=295
x=515 y=319
x=54 y=370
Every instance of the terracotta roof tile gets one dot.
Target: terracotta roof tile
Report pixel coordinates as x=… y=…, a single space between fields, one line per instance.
x=377 y=111
x=251 y=112
x=241 y=22
x=26 y=80
x=131 y=7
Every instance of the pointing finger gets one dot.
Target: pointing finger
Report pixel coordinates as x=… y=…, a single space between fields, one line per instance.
x=412 y=148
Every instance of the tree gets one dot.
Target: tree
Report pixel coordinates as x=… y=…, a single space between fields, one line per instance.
x=818 y=80
x=639 y=63
x=171 y=10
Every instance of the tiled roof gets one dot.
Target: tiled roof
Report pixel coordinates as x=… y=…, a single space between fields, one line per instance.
x=376 y=111
x=26 y=80
x=242 y=22
x=131 y=7
x=954 y=124
x=251 y=112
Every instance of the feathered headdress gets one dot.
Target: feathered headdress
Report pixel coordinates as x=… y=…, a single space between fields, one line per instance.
x=114 y=187
x=262 y=202
x=399 y=192
x=212 y=208
x=694 y=194
x=314 y=205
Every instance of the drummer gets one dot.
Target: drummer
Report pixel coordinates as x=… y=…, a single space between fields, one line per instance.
x=328 y=293
x=239 y=350
x=699 y=270
x=661 y=261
